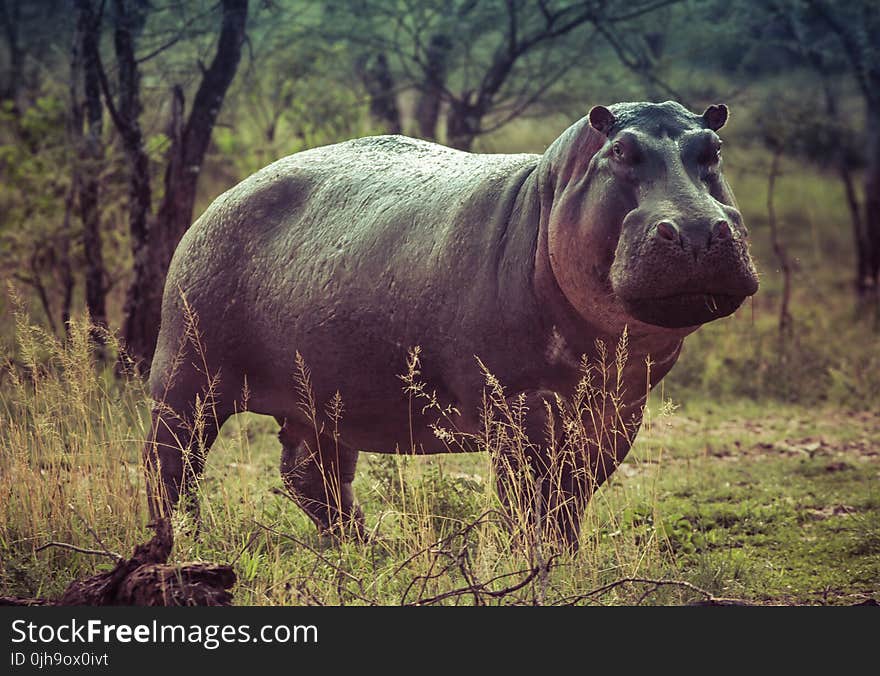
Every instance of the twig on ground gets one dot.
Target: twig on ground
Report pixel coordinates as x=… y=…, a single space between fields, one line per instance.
x=463 y=531
x=81 y=550
x=480 y=589
x=93 y=533
x=314 y=551
x=708 y=597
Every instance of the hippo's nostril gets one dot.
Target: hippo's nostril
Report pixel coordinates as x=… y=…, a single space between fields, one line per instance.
x=667 y=231
x=721 y=230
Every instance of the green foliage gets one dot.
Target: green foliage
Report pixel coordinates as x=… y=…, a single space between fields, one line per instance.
x=35 y=193
x=297 y=101
x=828 y=358
x=34 y=157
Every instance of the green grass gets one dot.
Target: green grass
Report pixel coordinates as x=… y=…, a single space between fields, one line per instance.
x=785 y=499
x=769 y=502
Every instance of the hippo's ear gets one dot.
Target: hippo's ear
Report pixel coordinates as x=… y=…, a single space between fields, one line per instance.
x=715 y=116
x=601 y=119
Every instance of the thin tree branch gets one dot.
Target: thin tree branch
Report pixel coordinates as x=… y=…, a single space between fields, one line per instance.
x=708 y=597
x=92 y=532
x=632 y=64
x=641 y=11
x=81 y=550
x=314 y=551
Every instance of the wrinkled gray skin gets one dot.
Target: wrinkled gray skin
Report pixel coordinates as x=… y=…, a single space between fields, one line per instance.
x=353 y=253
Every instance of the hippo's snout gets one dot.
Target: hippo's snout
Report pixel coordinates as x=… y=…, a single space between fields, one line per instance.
x=696 y=240
x=678 y=272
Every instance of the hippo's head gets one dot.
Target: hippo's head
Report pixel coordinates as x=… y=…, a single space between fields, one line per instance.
x=643 y=227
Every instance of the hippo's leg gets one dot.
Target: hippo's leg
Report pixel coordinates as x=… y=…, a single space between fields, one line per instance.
x=320 y=481
x=543 y=493
x=544 y=486
x=566 y=487
x=174 y=458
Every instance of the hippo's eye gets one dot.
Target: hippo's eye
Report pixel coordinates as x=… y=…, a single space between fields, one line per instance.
x=617 y=149
x=715 y=152
x=711 y=164
x=710 y=157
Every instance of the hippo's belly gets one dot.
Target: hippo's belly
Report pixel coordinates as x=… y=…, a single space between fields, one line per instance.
x=386 y=407
x=351 y=255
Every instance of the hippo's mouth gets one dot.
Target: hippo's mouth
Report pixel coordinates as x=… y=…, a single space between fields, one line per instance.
x=683 y=310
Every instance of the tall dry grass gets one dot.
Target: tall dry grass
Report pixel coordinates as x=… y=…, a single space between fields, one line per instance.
x=69 y=455
x=71 y=434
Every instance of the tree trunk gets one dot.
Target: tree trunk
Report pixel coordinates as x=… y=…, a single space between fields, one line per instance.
x=872 y=200
x=379 y=82
x=859 y=238
x=10 y=18
x=36 y=281
x=139 y=190
x=462 y=124
x=153 y=255
x=865 y=67
x=65 y=269
x=785 y=319
x=431 y=91
x=88 y=168
x=842 y=160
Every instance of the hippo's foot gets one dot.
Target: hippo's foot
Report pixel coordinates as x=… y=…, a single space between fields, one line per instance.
x=333 y=515
x=320 y=483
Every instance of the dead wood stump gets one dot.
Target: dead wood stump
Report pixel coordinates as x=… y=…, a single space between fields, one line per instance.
x=146 y=579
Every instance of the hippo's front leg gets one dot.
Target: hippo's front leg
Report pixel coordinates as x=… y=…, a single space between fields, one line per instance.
x=544 y=487
x=546 y=478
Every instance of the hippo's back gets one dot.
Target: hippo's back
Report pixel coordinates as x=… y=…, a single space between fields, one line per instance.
x=346 y=253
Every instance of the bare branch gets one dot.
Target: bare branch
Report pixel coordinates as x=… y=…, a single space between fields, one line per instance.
x=630 y=62
x=641 y=11
x=81 y=550
x=92 y=532
x=708 y=597
x=851 y=48
x=120 y=123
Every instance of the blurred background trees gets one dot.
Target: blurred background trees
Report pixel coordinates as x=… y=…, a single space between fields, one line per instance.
x=123 y=119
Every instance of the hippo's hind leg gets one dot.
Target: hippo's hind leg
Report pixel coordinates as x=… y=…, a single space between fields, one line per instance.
x=174 y=455
x=319 y=476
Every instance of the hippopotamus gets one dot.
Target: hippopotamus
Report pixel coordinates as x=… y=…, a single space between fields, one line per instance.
x=342 y=259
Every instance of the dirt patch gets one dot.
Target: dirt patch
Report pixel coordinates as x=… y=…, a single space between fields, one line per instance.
x=829 y=511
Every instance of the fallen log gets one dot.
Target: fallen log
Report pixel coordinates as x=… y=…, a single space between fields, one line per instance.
x=146 y=579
